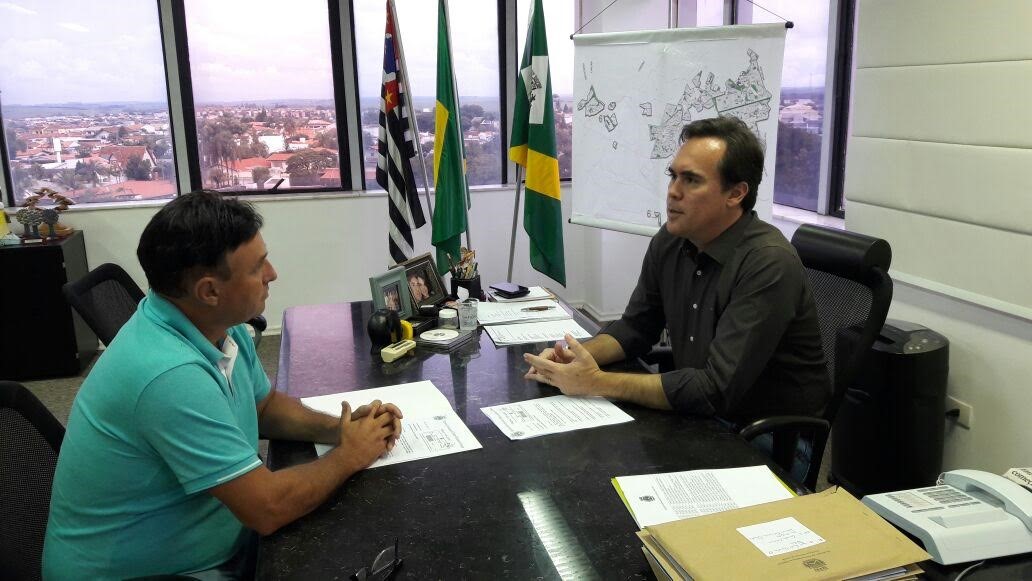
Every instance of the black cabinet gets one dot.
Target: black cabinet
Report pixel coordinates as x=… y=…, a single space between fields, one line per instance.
x=40 y=335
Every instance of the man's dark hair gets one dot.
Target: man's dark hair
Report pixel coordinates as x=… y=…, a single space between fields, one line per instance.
x=191 y=234
x=743 y=158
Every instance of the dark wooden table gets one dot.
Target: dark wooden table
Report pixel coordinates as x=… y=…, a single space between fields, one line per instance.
x=514 y=509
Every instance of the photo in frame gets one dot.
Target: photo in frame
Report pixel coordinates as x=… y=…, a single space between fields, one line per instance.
x=424 y=284
x=391 y=291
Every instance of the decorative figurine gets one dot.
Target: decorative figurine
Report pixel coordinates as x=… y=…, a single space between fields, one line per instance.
x=31 y=217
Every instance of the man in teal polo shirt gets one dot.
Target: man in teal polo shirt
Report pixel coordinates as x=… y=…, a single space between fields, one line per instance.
x=159 y=470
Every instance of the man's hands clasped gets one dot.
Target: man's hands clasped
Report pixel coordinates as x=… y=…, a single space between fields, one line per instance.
x=370 y=431
x=571 y=368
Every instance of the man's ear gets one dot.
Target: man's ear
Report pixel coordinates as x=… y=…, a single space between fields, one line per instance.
x=737 y=193
x=206 y=290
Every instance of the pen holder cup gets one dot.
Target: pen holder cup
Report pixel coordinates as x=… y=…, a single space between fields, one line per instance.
x=472 y=286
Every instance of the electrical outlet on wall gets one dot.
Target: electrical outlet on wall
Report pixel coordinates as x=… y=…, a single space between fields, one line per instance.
x=967 y=413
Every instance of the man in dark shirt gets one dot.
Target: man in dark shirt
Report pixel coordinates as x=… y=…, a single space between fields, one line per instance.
x=728 y=286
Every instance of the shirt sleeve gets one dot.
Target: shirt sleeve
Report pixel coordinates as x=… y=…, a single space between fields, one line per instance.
x=642 y=322
x=185 y=417
x=761 y=306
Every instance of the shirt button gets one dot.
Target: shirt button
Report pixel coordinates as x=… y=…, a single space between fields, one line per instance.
x=695 y=306
x=698 y=273
x=692 y=338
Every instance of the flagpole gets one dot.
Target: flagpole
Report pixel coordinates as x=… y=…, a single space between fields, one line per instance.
x=515 y=219
x=462 y=137
x=411 y=98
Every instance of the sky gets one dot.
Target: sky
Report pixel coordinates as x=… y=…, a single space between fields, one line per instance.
x=57 y=51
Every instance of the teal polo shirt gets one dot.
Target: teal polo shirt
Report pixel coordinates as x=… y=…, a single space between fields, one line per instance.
x=154 y=426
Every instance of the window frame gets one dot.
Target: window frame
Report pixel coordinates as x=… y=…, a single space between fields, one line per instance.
x=336 y=23
x=837 y=98
x=7 y=177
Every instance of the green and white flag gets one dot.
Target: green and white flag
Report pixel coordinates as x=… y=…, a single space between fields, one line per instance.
x=450 y=190
x=533 y=147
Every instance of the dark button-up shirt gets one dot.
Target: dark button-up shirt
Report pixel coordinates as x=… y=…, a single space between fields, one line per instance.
x=742 y=322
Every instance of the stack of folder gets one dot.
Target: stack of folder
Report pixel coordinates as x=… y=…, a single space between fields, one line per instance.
x=828 y=535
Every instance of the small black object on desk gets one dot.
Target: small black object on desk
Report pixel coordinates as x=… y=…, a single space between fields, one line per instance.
x=472 y=285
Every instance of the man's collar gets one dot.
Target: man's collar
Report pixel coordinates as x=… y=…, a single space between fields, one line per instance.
x=163 y=311
x=723 y=246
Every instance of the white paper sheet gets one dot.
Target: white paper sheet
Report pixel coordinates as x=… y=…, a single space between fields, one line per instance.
x=430 y=426
x=551 y=415
x=658 y=498
x=496 y=313
x=780 y=536
x=536 y=292
x=519 y=333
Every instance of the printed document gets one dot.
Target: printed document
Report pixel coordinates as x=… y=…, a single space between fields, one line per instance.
x=430 y=426
x=780 y=536
x=551 y=415
x=520 y=333
x=543 y=310
x=653 y=499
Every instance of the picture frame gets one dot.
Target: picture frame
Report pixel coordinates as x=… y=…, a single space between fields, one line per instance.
x=390 y=291
x=425 y=285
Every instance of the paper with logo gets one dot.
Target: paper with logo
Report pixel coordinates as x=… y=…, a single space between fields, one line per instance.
x=780 y=536
x=653 y=499
x=552 y=415
x=536 y=332
x=430 y=426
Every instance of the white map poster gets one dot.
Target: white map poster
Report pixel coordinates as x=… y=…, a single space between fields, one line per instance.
x=634 y=91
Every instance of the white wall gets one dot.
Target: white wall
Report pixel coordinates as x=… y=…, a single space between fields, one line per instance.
x=326 y=248
x=946 y=184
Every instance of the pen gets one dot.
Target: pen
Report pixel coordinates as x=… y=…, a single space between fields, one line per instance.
x=534 y=309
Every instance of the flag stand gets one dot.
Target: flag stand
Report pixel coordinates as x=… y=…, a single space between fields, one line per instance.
x=412 y=111
x=515 y=219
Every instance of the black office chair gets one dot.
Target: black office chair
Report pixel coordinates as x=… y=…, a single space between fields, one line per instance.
x=849 y=276
x=30 y=439
x=107 y=296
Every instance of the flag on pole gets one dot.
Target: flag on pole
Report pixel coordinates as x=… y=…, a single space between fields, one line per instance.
x=450 y=191
x=395 y=150
x=533 y=147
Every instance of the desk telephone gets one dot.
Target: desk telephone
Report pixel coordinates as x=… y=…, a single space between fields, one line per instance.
x=971 y=515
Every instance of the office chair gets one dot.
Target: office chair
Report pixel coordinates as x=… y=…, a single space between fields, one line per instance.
x=30 y=439
x=107 y=296
x=852 y=289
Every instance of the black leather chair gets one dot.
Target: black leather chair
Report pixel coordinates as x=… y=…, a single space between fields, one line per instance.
x=30 y=440
x=107 y=296
x=849 y=276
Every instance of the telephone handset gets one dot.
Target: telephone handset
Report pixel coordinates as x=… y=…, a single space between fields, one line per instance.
x=970 y=515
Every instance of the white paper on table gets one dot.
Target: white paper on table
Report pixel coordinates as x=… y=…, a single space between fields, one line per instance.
x=430 y=426
x=519 y=333
x=551 y=415
x=535 y=292
x=780 y=536
x=658 y=498
x=495 y=313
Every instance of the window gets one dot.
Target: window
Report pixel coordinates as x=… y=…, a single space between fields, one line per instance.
x=263 y=94
x=474 y=35
x=84 y=103
x=559 y=22
x=801 y=115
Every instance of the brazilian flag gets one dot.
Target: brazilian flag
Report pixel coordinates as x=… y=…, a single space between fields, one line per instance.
x=533 y=147
x=450 y=191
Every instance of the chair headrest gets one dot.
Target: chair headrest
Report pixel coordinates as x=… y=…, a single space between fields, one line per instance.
x=847 y=254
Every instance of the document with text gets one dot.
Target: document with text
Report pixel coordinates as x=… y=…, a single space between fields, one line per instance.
x=534 y=293
x=430 y=426
x=543 y=310
x=552 y=415
x=520 y=333
x=654 y=499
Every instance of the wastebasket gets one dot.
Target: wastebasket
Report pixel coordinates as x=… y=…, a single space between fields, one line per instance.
x=888 y=434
